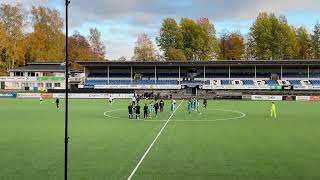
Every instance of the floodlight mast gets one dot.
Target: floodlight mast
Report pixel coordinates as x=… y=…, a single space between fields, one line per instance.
x=66 y=136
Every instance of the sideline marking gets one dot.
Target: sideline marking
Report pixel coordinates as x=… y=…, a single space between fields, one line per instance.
x=155 y=139
x=242 y=115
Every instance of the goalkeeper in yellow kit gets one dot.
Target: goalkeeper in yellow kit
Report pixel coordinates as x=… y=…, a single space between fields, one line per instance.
x=273 y=110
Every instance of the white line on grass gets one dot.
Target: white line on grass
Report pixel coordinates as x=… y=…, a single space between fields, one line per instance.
x=155 y=139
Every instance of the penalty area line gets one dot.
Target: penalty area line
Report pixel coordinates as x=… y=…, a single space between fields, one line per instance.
x=153 y=142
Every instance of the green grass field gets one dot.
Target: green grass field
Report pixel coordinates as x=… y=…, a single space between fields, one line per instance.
x=231 y=140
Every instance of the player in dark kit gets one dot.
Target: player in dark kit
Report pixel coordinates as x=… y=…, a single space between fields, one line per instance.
x=130 y=108
x=161 y=104
x=145 y=111
x=156 y=108
x=57 y=102
x=138 y=111
x=205 y=103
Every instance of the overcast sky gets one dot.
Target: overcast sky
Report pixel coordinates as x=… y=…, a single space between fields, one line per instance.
x=120 y=21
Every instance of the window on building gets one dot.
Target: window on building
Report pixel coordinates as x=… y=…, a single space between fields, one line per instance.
x=31 y=74
x=48 y=85
x=48 y=74
x=57 y=85
x=19 y=74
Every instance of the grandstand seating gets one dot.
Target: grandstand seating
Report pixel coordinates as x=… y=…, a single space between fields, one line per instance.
x=196 y=82
x=248 y=82
x=226 y=82
x=272 y=82
x=315 y=82
x=295 y=82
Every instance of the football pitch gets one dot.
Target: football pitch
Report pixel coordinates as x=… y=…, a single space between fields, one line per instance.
x=230 y=140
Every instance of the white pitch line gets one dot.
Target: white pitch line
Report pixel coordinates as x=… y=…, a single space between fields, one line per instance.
x=155 y=139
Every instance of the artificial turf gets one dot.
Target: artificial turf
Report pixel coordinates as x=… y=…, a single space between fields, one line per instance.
x=219 y=143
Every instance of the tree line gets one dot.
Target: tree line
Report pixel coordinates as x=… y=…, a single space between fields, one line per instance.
x=269 y=38
x=45 y=41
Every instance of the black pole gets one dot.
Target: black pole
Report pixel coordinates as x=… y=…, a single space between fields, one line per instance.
x=66 y=136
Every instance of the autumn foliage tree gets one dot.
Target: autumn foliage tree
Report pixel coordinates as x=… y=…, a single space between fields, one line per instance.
x=316 y=41
x=304 y=43
x=12 y=21
x=189 y=40
x=98 y=48
x=232 y=46
x=144 y=49
x=273 y=38
x=47 y=39
x=170 y=40
x=79 y=49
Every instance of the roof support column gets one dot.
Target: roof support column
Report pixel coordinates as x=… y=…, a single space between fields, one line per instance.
x=108 y=67
x=255 y=72
x=281 y=71
x=229 y=72
x=131 y=74
x=308 y=71
x=179 y=74
x=155 y=74
x=204 y=73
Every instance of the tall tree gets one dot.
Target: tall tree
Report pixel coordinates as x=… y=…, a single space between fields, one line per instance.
x=144 y=49
x=316 y=41
x=273 y=38
x=199 y=39
x=191 y=34
x=12 y=19
x=209 y=46
x=232 y=46
x=3 y=44
x=249 y=48
x=170 y=38
x=96 y=43
x=303 y=42
x=176 y=54
x=46 y=42
x=79 y=49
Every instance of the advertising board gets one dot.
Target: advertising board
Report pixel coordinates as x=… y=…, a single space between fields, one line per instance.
x=148 y=87
x=314 y=98
x=266 y=98
x=8 y=95
x=28 y=95
x=302 y=98
x=92 y=96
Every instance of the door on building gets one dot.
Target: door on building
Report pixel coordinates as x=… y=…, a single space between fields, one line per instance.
x=2 y=85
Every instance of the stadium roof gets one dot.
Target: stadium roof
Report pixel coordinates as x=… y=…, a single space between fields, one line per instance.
x=198 y=63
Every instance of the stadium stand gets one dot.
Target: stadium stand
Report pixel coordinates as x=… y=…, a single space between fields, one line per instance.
x=271 y=82
x=315 y=82
x=295 y=82
x=226 y=82
x=248 y=82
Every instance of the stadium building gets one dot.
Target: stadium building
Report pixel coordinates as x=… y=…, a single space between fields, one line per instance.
x=211 y=78
x=39 y=76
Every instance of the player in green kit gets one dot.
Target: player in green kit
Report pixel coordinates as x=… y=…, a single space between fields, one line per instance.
x=193 y=103
x=150 y=109
x=173 y=107
x=190 y=106
x=197 y=106
x=273 y=110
